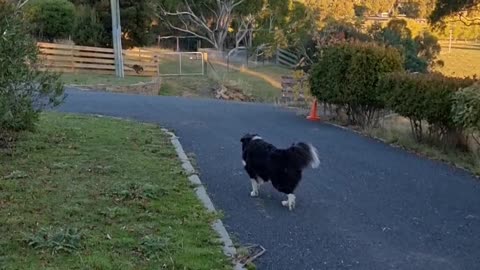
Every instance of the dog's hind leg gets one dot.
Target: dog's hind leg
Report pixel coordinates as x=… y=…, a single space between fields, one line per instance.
x=290 y=202
x=255 y=185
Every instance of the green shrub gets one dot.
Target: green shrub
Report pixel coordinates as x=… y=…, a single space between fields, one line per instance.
x=466 y=110
x=425 y=99
x=347 y=75
x=51 y=19
x=55 y=240
x=88 y=30
x=24 y=90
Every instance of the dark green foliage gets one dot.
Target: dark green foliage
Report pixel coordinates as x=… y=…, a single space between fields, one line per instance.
x=428 y=47
x=88 y=30
x=411 y=9
x=347 y=75
x=339 y=31
x=24 y=90
x=137 y=17
x=445 y=8
x=419 y=53
x=425 y=99
x=51 y=19
x=360 y=10
x=466 y=110
x=333 y=32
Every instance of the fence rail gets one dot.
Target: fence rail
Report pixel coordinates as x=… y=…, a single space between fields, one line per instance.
x=71 y=59
x=287 y=58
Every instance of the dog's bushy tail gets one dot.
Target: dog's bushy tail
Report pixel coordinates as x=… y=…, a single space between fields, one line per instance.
x=304 y=155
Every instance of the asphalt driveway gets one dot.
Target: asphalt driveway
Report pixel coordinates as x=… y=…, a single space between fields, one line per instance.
x=368 y=206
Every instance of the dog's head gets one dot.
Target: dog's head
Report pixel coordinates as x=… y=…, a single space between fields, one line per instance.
x=247 y=138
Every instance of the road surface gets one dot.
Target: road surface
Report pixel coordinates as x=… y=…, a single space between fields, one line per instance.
x=368 y=206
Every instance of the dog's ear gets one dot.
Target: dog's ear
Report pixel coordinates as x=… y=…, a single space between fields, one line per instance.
x=247 y=137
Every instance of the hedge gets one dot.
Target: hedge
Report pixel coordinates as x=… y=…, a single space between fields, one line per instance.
x=24 y=90
x=466 y=110
x=347 y=75
x=424 y=98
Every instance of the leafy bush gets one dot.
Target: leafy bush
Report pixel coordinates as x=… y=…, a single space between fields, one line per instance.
x=55 y=240
x=137 y=16
x=347 y=75
x=466 y=110
x=88 y=30
x=24 y=90
x=419 y=53
x=425 y=98
x=51 y=19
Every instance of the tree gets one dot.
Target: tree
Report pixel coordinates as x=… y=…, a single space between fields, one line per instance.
x=245 y=20
x=465 y=11
x=88 y=30
x=360 y=10
x=337 y=9
x=378 y=6
x=137 y=17
x=51 y=19
x=208 y=20
x=428 y=48
x=398 y=35
x=24 y=89
x=411 y=9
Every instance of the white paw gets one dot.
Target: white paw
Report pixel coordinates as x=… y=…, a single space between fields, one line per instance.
x=290 y=203
x=254 y=193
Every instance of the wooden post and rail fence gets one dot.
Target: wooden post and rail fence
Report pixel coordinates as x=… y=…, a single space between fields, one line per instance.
x=83 y=59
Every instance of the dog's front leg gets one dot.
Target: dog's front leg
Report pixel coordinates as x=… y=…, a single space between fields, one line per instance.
x=255 y=185
x=290 y=202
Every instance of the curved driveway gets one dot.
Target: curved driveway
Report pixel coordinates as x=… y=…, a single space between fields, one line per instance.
x=368 y=206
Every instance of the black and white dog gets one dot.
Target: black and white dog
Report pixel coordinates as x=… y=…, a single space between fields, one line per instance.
x=283 y=167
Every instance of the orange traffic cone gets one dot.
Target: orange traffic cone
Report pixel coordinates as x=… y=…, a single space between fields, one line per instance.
x=314 y=113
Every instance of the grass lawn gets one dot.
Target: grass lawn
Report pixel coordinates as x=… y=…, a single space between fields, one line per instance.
x=92 y=79
x=198 y=86
x=462 y=61
x=259 y=88
x=96 y=193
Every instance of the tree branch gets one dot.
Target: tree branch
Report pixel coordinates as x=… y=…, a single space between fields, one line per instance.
x=21 y=3
x=465 y=20
x=236 y=3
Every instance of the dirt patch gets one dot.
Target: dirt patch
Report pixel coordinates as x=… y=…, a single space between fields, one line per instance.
x=227 y=92
x=147 y=88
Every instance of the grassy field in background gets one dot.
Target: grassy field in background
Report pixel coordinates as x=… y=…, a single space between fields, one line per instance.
x=462 y=61
x=95 y=193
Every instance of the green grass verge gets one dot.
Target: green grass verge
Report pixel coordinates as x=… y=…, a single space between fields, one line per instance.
x=397 y=132
x=93 y=79
x=95 y=193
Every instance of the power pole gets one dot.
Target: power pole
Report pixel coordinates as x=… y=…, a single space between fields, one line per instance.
x=117 y=38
